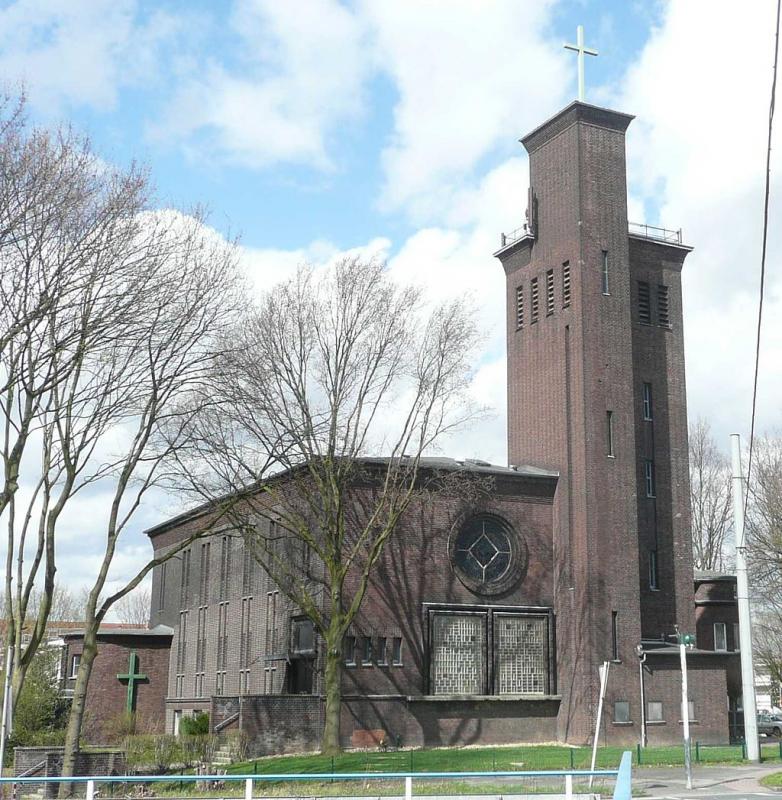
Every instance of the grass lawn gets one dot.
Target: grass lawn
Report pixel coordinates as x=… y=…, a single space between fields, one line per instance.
x=773 y=781
x=490 y=759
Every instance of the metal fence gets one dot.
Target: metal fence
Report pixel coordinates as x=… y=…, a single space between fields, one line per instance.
x=568 y=782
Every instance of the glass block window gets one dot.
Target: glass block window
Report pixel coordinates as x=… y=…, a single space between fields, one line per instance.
x=522 y=645
x=720 y=636
x=458 y=653
x=604 y=273
x=647 y=400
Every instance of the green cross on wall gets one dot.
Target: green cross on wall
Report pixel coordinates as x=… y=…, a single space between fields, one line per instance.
x=132 y=677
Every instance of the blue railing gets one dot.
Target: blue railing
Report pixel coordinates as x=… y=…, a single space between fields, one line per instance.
x=622 y=789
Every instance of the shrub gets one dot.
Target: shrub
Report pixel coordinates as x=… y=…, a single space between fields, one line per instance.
x=197 y=725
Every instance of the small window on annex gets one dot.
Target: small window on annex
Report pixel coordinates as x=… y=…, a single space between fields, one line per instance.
x=349 y=649
x=654 y=711
x=720 y=637
x=621 y=711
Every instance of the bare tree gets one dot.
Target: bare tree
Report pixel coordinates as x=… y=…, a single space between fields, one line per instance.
x=133 y=608
x=764 y=527
x=710 y=494
x=330 y=367
x=112 y=321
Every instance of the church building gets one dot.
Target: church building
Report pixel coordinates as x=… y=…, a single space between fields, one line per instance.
x=489 y=614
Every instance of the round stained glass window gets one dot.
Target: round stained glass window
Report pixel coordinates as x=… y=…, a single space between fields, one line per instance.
x=487 y=554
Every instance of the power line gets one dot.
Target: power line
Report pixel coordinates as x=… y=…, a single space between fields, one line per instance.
x=763 y=254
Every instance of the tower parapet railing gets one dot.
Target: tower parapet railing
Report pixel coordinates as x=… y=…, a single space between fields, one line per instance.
x=654 y=232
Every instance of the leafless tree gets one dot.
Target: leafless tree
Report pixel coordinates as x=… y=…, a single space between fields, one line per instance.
x=710 y=491
x=112 y=320
x=133 y=608
x=764 y=529
x=331 y=366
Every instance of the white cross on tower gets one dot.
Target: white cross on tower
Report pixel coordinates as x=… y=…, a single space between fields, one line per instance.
x=582 y=51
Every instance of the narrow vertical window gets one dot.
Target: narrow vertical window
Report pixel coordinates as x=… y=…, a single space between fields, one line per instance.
x=605 y=272
x=366 y=650
x=614 y=636
x=736 y=637
x=647 y=400
x=161 y=598
x=204 y=588
x=396 y=651
x=381 y=650
x=566 y=284
x=649 y=478
x=349 y=649
x=549 y=292
x=184 y=589
x=654 y=580
x=225 y=565
x=663 y=309
x=720 y=637
x=534 y=299
x=610 y=434
x=644 y=303
x=519 y=307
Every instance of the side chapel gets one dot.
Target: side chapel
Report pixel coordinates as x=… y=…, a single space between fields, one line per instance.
x=486 y=622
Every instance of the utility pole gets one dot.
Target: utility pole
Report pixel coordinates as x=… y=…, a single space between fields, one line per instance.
x=742 y=592
x=686 y=640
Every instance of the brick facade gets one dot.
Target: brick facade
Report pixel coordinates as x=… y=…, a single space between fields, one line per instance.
x=107 y=695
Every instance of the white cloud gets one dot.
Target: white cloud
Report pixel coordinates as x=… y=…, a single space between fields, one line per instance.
x=696 y=159
x=469 y=78
x=79 y=53
x=299 y=72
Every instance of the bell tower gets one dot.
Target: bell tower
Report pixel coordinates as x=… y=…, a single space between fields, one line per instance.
x=596 y=391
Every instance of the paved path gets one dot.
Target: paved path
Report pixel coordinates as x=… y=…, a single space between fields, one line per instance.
x=707 y=782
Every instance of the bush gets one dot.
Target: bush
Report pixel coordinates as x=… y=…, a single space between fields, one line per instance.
x=197 y=725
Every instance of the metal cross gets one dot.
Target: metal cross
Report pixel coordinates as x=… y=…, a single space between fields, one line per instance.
x=582 y=51
x=132 y=677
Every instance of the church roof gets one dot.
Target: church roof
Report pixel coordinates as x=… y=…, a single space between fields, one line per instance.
x=472 y=465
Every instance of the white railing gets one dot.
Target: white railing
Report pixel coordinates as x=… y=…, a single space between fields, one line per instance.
x=622 y=775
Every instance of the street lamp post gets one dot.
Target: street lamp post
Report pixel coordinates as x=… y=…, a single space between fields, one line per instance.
x=686 y=640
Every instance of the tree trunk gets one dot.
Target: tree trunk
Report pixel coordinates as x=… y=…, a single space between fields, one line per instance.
x=333 y=689
x=76 y=716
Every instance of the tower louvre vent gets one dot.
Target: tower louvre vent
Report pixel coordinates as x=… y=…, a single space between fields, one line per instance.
x=644 y=303
x=663 y=308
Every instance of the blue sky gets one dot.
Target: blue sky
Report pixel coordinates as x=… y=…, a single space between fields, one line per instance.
x=392 y=126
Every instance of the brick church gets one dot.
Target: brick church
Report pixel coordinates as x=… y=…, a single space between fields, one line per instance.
x=487 y=618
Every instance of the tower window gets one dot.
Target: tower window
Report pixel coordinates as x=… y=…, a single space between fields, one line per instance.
x=605 y=272
x=566 y=284
x=663 y=309
x=549 y=292
x=610 y=434
x=615 y=635
x=649 y=478
x=519 y=307
x=644 y=303
x=647 y=401
x=535 y=300
x=654 y=580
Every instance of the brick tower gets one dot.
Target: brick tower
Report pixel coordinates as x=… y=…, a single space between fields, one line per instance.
x=596 y=390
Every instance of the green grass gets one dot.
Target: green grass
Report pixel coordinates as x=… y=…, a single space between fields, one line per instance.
x=773 y=781
x=490 y=759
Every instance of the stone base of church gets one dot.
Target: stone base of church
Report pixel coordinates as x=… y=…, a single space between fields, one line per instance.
x=274 y=724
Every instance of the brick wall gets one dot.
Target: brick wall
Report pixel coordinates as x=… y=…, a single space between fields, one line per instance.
x=107 y=696
x=92 y=762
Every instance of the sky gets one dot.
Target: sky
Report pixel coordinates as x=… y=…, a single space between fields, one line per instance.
x=315 y=127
